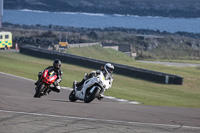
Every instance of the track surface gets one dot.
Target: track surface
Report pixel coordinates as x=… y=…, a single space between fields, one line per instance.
x=21 y=113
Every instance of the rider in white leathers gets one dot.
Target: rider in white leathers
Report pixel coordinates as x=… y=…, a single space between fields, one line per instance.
x=107 y=71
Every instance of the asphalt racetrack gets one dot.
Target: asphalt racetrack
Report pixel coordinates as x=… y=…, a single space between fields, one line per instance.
x=54 y=113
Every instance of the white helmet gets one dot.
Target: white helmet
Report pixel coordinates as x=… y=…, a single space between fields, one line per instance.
x=109 y=68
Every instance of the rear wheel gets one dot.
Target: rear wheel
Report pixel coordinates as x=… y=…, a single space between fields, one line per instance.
x=72 y=97
x=39 y=90
x=91 y=96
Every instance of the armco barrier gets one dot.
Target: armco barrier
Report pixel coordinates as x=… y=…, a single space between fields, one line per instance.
x=145 y=74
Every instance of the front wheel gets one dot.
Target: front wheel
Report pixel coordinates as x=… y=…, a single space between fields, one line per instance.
x=72 y=96
x=39 y=90
x=91 y=96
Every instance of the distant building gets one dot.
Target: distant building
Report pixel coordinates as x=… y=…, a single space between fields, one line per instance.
x=1 y=12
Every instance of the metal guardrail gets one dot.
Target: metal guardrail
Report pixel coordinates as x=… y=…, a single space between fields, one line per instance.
x=135 y=72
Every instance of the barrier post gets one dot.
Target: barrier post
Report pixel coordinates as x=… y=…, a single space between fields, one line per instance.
x=166 y=79
x=16 y=46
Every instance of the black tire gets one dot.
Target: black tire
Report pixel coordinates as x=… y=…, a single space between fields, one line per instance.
x=39 y=89
x=91 y=96
x=72 y=97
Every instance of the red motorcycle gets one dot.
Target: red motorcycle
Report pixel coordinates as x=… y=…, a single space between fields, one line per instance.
x=43 y=87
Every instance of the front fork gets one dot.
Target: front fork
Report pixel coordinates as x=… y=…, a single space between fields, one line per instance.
x=45 y=89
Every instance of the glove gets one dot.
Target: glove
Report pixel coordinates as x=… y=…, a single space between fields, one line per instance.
x=40 y=73
x=98 y=72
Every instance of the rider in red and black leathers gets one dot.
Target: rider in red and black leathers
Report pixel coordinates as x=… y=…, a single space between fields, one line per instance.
x=57 y=68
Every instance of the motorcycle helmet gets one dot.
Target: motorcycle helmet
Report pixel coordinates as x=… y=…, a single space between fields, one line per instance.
x=56 y=64
x=108 y=70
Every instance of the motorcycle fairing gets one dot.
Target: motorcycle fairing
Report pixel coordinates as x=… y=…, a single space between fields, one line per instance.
x=90 y=83
x=49 y=76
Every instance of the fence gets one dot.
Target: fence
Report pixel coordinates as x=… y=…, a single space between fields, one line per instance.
x=140 y=73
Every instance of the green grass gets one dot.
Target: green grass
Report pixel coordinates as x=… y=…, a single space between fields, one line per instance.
x=148 y=93
x=98 y=52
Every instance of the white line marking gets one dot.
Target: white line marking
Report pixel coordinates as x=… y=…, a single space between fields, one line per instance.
x=93 y=119
x=122 y=100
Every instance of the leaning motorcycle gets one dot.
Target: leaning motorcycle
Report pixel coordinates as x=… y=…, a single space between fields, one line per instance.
x=91 y=89
x=48 y=77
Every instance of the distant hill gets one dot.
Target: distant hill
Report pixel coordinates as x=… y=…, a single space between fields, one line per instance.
x=164 y=8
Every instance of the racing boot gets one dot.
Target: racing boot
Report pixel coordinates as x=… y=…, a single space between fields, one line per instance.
x=74 y=85
x=79 y=84
x=36 y=83
x=100 y=97
x=55 y=89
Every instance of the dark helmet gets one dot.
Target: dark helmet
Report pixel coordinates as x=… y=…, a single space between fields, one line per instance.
x=56 y=64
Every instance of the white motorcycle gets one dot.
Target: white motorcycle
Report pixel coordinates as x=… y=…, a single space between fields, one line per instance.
x=91 y=89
